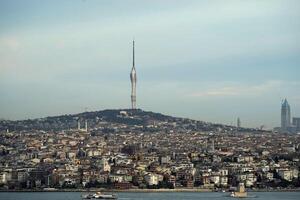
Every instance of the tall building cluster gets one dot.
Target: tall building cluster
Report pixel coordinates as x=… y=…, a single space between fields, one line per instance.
x=287 y=125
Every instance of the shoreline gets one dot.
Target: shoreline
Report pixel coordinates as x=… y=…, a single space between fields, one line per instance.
x=144 y=190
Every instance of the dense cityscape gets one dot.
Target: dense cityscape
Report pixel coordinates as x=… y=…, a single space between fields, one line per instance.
x=149 y=100
x=135 y=149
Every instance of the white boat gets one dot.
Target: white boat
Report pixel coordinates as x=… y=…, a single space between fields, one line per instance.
x=50 y=189
x=241 y=193
x=99 y=195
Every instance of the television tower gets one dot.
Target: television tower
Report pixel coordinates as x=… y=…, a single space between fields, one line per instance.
x=133 y=83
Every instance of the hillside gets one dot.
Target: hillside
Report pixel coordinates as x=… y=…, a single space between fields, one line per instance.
x=111 y=119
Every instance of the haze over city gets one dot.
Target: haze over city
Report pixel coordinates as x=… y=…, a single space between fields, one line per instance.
x=206 y=60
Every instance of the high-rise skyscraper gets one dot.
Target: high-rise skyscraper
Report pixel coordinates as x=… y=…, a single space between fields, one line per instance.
x=296 y=123
x=133 y=83
x=285 y=115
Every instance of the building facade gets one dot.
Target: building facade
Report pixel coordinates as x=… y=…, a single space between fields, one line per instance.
x=296 y=123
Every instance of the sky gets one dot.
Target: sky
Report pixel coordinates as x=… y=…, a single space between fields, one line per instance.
x=206 y=60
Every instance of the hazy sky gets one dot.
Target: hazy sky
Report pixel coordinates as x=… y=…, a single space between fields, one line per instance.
x=207 y=60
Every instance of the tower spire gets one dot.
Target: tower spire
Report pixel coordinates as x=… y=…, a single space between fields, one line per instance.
x=133 y=54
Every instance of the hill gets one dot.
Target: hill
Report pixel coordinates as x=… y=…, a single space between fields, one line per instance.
x=146 y=120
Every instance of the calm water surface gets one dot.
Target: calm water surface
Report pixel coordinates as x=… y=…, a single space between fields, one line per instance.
x=148 y=196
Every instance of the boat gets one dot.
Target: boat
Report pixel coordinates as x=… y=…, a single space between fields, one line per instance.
x=48 y=189
x=240 y=193
x=99 y=195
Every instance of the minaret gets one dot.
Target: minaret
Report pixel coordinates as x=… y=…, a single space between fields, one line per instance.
x=86 y=126
x=213 y=145
x=78 y=125
x=238 y=123
x=133 y=83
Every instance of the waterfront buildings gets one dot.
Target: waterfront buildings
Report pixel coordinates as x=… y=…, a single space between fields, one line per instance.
x=124 y=149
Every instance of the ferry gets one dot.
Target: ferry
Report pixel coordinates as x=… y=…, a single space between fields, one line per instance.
x=48 y=189
x=99 y=195
x=240 y=193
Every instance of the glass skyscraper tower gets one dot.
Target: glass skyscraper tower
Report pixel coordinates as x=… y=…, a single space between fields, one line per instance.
x=285 y=115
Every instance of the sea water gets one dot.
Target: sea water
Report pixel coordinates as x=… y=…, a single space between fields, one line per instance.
x=148 y=195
